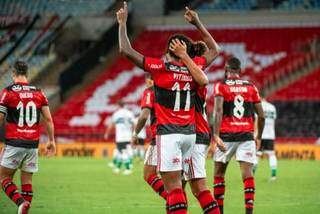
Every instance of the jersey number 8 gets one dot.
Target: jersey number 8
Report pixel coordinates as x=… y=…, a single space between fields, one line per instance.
x=238 y=110
x=27 y=114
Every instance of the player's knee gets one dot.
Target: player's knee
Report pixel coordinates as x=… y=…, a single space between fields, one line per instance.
x=197 y=187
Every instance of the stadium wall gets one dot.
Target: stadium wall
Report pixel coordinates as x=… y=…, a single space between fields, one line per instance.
x=104 y=150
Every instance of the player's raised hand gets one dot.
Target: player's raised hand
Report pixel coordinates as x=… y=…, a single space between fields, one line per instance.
x=220 y=143
x=179 y=48
x=191 y=16
x=122 y=14
x=50 y=149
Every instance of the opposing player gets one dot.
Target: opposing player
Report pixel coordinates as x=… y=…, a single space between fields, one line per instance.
x=174 y=87
x=122 y=121
x=268 y=137
x=21 y=105
x=150 y=164
x=235 y=103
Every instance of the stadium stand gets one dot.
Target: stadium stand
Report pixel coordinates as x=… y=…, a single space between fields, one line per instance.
x=246 y=5
x=84 y=115
x=62 y=8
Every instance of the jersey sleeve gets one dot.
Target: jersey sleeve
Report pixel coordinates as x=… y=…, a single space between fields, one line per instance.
x=218 y=90
x=44 y=100
x=153 y=65
x=147 y=100
x=201 y=62
x=256 y=97
x=3 y=101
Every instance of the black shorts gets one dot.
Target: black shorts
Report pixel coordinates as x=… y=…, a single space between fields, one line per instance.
x=140 y=142
x=122 y=146
x=267 y=145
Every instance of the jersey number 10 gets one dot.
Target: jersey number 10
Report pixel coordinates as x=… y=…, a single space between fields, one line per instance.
x=27 y=114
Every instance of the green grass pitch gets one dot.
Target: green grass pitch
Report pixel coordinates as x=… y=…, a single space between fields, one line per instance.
x=84 y=185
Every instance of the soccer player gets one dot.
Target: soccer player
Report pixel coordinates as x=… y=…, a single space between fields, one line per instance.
x=268 y=137
x=174 y=87
x=150 y=164
x=208 y=50
x=21 y=105
x=122 y=122
x=235 y=102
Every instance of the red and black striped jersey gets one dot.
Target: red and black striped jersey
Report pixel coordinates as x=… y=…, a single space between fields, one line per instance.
x=22 y=103
x=175 y=92
x=239 y=97
x=202 y=126
x=147 y=101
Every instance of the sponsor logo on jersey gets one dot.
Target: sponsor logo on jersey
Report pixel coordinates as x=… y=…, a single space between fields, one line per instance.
x=26 y=95
x=175 y=160
x=155 y=66
x=16 y=88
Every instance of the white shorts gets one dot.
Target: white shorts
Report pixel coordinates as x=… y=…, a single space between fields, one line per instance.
x=244 y=151
x=198 y=161
x=19 y=158
x=174 y=153
x=151 y=156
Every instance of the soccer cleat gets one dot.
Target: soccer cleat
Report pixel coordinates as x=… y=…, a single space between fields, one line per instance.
x=111 y=165
x=24 y=208
x=127 y=172
x=116 y=170
x=273 y=178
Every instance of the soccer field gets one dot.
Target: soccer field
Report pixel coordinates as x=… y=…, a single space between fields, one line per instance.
x=83 y=185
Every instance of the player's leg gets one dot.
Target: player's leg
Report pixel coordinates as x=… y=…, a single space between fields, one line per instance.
x=130 y=153
x=170 y=166
x=246 y=155
x=126 y=159
x=150 y=172
x=273 y=162
x=10 y=160
x=259 y=155
x=221 y=161
x=28 y=167
x=114 y=158
x=198 y=180
x=119 y=157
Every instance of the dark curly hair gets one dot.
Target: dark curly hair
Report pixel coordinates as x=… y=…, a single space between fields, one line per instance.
x=194 y=49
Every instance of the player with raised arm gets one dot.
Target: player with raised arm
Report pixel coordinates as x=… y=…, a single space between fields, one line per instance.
x=235 y=104
x=175 y=111
x=21 y=105
x=197 y=181
x=150 y=164
x=268 y=137
x=123 y=122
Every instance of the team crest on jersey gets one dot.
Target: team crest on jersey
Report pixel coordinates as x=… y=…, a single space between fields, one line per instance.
x=16 y=88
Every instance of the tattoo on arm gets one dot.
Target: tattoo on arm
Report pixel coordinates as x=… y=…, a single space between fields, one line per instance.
x=217 y=113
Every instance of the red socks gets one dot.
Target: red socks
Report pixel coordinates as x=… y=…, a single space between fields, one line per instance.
x=26 y=192
x=219 y=189
x=12 y=192
x=208 y=203
x=177 y=203
x=249 y=189
x=157 y=185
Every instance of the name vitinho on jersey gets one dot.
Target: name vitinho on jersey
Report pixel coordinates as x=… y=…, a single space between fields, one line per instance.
x=182 y=77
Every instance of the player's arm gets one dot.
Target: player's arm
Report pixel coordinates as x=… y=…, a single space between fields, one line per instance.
x=214 y=49
x=180 y=49
x=51 y=145
x=260 y=123
x=217 y=114
x=124 y=42
x=2 y=116
x=109 y=130
x=143 y=117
